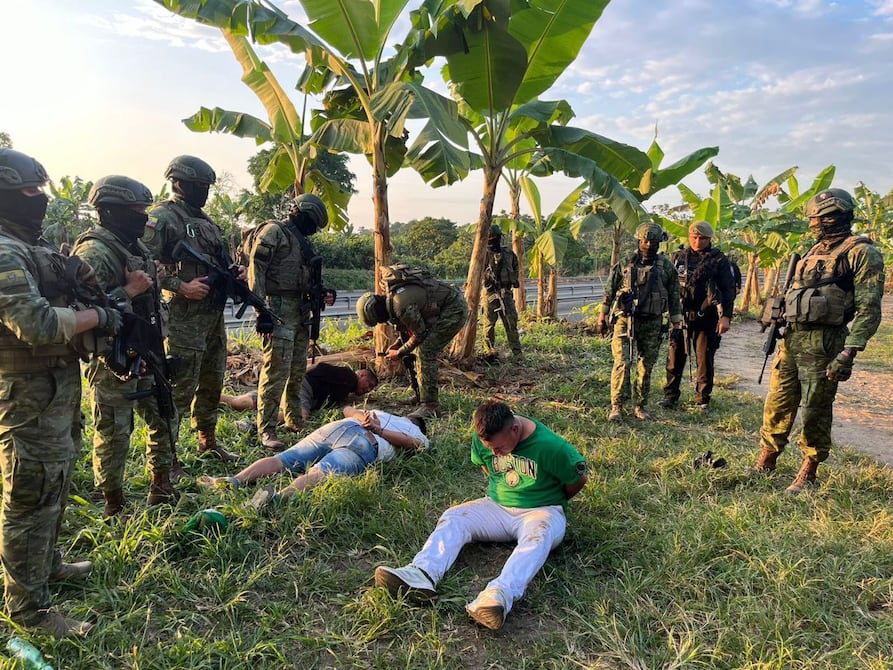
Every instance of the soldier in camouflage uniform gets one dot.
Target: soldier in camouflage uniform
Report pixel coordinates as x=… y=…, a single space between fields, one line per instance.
x=428 y=313
x=636 y=298
x=501 y=278
x=279 y=271
x=196 y=331
x=838 y=281
x=40 y=395
x=125 y=270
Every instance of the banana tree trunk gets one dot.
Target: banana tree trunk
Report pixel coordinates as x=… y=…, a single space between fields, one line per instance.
x=518 y=247
x=384 y=334
x=552 y=297
x=540 y=287
x=615 y=244
x=462 y=350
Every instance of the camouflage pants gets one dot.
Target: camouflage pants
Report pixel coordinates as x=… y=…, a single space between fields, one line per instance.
x=493 y=311
x=197 y=338
x=113 y=427
x=284 y=364
x=647 y=345
x=40 y=425
x=798 y=381
x=450 y=320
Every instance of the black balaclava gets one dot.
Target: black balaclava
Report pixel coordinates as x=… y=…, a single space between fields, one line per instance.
x=127 y=224
x=26 y=210
x=192 y=192
x=303 y=222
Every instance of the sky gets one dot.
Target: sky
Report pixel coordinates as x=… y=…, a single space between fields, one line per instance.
x=98 y=87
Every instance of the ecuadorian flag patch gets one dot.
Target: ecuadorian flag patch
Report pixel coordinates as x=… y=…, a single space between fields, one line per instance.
x=10 y=279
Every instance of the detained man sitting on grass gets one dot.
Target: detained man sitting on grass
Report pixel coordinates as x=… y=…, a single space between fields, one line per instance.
x=531 y=474
x=344 y=447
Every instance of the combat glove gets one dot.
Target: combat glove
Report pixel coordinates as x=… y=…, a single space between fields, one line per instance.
x=264 y=324
x=841 y=368
x=110 y=319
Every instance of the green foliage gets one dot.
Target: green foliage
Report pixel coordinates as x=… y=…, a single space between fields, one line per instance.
x=68 y=214
x=663 y=565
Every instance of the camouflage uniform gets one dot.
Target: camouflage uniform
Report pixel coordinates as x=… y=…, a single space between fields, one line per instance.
x=40 y=419
x=657 y=288
x=278 y=271
x=811 y=343
x=112 y=411
x=502 y=277
x=196 y=331
x=433 y=315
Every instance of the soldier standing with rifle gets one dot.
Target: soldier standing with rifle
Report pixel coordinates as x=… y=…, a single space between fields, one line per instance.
x=40 y=395
x=839 y=281
x=196 y=331
x=636 y=298
x=126 y=271
x=707 y=286
x=501 y=278
x=284 y=270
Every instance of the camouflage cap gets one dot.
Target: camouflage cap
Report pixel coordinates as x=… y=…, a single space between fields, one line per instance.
x=701 y=228
x=651 y=231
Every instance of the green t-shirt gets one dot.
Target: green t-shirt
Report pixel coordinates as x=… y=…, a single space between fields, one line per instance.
x=535 y=473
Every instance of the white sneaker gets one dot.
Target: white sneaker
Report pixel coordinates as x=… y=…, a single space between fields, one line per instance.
x=408 y=580
x=489 y=608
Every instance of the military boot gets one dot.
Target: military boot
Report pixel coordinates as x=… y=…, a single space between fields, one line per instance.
x=161 y=490
x=176 y=472
x=640 y=413
x=426 y=410
x=270 y=440
x=114 y=503
x=805 y=479
x=59 y=626
x=766 y=461
x=615 y=413
x=207 y=446
x=67 y=571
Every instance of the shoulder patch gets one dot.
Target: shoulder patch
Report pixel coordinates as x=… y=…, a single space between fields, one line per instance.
x=13 y=278
x=581 y=467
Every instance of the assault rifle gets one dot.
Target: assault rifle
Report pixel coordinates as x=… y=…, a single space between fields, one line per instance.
x=316 y=296
x=223 y=280
x=494 y=291
x=409 y=363
x=773 y=318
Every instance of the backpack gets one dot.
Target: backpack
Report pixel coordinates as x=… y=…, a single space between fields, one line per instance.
x=395 y=276
x=243 y=253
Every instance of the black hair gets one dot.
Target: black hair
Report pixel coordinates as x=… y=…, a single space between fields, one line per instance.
x=420 y=422
x=491 y=417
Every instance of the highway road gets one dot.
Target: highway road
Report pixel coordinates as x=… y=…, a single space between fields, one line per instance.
x=572 y=296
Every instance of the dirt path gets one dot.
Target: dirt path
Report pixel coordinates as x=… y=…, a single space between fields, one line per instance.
x=863 y=410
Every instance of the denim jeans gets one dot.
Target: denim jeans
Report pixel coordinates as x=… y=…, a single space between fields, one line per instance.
x=342 y=447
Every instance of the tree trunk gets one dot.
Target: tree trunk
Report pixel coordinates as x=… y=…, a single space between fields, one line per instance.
x=520 y=293
x=384 y=334
x=463 y=345
x=615 y=244
x=552 y=300
x=540 y=286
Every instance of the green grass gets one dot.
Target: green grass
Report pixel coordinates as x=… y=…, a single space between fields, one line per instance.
x=663 y=566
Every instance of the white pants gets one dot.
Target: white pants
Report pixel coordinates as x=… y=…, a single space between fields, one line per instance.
x=537 y=531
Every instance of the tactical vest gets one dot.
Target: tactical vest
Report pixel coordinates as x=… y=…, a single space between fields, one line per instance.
x=822 y=291
x=288 y=273
x=697 y=282
x=126 y=261
x=197 y=230
x=47 y=266
x=643 y=282
x=500 y=264
x=395 y=280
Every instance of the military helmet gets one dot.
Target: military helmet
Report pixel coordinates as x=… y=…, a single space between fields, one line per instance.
x=366 y=309
x=495 y=230
x=651 y=231
x=116 y=189
x=313 y=207
x=829 y=202
x=18 y=171
x=190 y=168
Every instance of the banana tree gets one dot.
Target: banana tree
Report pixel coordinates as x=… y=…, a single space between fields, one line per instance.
x=552 y=234
x=368 y=97
x=67 y=213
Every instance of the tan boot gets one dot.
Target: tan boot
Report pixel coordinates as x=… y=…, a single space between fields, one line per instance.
x=426 y=410
x=114 y=503
x=766 y=461
x=640 y=413
x=207 y=446
x=805 y=479
x=59 y=626
x=161 y=490
x=615 y=415
x=270 y=441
